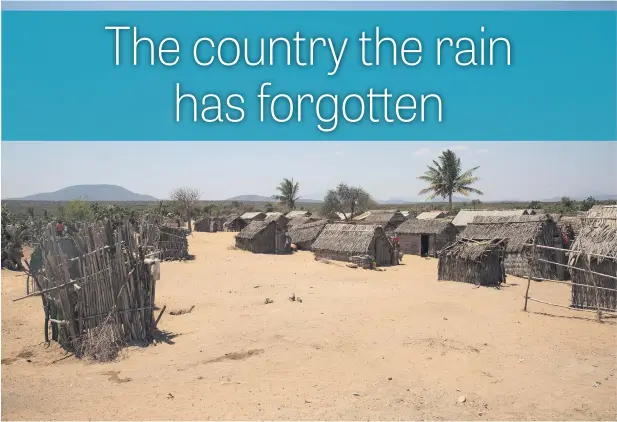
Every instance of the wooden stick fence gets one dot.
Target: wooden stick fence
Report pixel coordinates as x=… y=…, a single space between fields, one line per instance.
x=598 y=309
x=107 y=285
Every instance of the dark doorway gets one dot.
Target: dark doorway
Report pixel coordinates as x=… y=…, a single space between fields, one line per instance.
x=424 y=245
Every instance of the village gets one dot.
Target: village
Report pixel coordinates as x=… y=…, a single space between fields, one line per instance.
x=349 y=312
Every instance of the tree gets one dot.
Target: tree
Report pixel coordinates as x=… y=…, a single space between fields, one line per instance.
x=288 y=193
x=588 y=203
x=78 y=210
x=269 y=207
x=186 y=198
x=31 y=212
x=475 y=203
x=351 y=201
x=446 y=178
x=567 y=205
x=534 y=205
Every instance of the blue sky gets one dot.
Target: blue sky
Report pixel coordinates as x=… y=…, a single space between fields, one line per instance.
x=508 y=170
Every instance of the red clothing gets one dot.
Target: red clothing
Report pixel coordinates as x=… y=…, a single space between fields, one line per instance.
x=59 y=228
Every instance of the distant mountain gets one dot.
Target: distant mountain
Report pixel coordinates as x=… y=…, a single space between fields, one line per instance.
x=260 y=198
x=112 y=193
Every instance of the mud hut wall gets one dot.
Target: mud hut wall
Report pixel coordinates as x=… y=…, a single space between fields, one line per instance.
x=202 y=225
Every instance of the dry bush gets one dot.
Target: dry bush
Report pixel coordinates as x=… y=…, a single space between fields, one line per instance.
x=232 y=248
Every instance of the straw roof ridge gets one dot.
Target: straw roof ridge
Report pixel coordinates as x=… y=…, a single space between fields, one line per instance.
x=435 y=226
x=347 y=238
x=516 y=230
x=306 y=232
x=253 y=229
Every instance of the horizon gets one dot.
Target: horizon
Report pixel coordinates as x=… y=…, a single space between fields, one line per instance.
x=508 y=171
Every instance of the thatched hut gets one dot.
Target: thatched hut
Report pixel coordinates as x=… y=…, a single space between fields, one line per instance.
x=234 y=223
x=263 y=237
x=303 y=235
x=297 y=213
x=431 y=215
x=425 y=237
x=595 y=250
x=340 y=242
x=480 y=263
x=296 y=221
x=280 y=219
x=388 y=219
x=464 y=217
x=209 y=224
x=516 y=233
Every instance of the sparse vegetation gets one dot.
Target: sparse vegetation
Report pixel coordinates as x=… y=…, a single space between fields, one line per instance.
x=349 y=200
x=187 y=198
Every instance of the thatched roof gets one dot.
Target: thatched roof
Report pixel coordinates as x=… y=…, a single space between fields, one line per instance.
x=533 y=211
x=430 y=215
x=253 y=229
x=299 y=220
x=347 y=238
x=306 y=232
x=571 y=225
x=297 y=213
x=464 y=217
x=608 y=212
x=381 y=217
x=468 y=250
x=424 y=226
x=251 y=215
x=516 y=230
x=273 y=216
x=598 y=239
x=230 y=219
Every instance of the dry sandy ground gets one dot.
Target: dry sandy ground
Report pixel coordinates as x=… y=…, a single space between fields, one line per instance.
x=362 y=344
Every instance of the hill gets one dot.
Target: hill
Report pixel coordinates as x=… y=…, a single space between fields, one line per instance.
x=111 y=193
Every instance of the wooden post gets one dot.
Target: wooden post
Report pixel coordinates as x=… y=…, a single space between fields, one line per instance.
x=531 y=269
x=595 y=290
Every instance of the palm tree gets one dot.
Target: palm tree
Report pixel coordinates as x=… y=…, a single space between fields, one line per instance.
x=288 y=193
x=446 y=177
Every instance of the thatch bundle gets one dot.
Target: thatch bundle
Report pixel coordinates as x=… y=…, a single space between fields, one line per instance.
x=304 y=235
x=516 y=233
x=595 y=250
x=480 y=263
x=100 y=295
x=426 y=226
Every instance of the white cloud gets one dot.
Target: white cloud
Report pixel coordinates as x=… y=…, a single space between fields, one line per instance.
x=482 y=151
x=422 y=152
x=455 y=148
